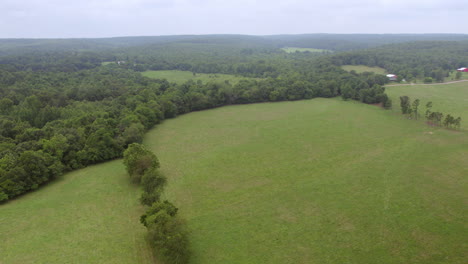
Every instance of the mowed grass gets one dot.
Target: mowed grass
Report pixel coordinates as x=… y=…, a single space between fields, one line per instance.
x=316 y=181
x=446 y=98
x=184 y=76
x=88 y=216
x=294 y=49
x=364 y=68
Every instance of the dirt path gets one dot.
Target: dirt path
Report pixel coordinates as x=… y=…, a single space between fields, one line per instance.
x=410 y=84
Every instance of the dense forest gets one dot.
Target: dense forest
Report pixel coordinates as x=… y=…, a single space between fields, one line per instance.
x=61 y=108
x=433 y=59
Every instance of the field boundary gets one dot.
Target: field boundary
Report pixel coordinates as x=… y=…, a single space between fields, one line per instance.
x=412 y=84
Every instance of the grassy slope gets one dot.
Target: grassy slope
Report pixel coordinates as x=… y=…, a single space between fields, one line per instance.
x=447 y=98
x=183 y=76
x=318 y=181
x=363 y=68
x=88 y=216
x=293 y=49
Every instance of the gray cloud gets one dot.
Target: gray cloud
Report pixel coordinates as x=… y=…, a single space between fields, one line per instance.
x=105 y=18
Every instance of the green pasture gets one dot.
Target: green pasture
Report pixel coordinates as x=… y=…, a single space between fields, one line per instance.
x=184 y=76
x=446 y=98
x=364 y=68
x=88 y=216
x=316 y=181
x=294 y=49
x=452 y=76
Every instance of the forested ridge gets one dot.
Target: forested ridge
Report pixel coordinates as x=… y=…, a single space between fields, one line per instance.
x=334 y=42
x=434 y=59
x=62 y=110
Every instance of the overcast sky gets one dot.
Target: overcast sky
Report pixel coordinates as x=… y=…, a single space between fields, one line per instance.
x=108 y=18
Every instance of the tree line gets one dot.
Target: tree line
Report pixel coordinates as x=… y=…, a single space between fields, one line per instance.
x=429 y=60
x=411 y=110
x=167 y=233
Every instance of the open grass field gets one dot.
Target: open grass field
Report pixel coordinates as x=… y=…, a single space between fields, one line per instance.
x=88 y=216
x=452 y=76
x=184 y=76
x=363 y=68
x=316 y=181
x=446 y=98
x=293 y=49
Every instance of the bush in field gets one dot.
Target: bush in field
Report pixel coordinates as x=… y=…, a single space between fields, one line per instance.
x=428 y=80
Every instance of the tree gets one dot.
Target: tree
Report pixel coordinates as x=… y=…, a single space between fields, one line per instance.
x=56 y=146
x=347 y=92
x=405 y=104
x=457 y=122
x=170 y=239
x=3 y=196
x=439 y=75
x=138 y=160
x=133 y=133
x=428 y=110
x=40 y=167
x=153 y=183
x=157 y=207
x=448 y=121
x=415 y=108
x=387 y=104
x=438 y=116
x=5 y=105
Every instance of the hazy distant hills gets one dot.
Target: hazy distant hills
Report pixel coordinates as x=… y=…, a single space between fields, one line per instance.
x=334 y=42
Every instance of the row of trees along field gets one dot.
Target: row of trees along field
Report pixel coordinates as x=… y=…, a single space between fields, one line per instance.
x=411 y=110
x=54 y=121
x=433 y=60
x=167 y=233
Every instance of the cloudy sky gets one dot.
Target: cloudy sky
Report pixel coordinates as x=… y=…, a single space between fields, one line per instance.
x=108 y=18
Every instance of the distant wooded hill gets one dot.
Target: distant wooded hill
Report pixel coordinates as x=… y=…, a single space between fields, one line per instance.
x=335 y=42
